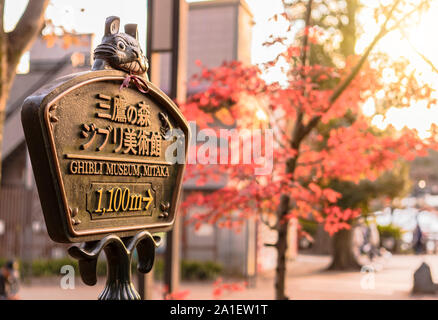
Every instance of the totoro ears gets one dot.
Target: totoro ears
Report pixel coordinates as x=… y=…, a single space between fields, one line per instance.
x=112 y=25
x=131 y=29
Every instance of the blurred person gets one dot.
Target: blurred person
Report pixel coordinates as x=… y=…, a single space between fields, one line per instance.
x=371 y=240
x=374 y=239
x=9 y=281
x=418 y=239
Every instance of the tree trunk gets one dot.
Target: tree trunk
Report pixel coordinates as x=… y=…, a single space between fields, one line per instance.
x=280 y=274
x=343 y=257
x=348 y=30
x=322 y=239
x=12 y=46
x=4 y=85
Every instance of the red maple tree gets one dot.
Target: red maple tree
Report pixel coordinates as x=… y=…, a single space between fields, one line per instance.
x=303 y=160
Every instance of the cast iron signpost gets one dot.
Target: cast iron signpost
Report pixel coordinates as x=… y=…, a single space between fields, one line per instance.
x=97 y=142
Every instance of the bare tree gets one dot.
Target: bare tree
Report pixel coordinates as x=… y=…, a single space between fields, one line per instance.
x=12 y=46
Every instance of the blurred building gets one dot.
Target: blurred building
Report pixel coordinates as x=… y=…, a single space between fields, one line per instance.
x=22 y=228
x=221 y=31
x=218 y=31
x=424 y=174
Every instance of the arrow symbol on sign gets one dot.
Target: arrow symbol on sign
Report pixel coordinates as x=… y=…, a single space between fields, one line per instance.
x=148 y=199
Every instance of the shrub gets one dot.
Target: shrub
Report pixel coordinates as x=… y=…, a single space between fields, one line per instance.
x=190 y=270
x=390 y=231
x=50 y=267
x=308 y=226
x=196 y=270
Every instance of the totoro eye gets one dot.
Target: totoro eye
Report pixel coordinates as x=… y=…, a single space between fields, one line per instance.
x=121 y=45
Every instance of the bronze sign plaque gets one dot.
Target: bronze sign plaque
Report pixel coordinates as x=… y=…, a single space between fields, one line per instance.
x=98 y=153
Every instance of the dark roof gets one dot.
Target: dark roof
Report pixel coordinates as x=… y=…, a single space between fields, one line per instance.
x=24 y=85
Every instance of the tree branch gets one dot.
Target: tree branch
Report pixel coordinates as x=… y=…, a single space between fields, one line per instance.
x=26 y=30
x=298 y=126
x=310 y=163
x=306 y=33
x=427 y=60
x=346 y=82
x=406 y=15
x=354 y=72
x=2 y=12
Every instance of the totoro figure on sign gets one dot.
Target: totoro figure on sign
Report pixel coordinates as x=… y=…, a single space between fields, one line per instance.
x=120 y=51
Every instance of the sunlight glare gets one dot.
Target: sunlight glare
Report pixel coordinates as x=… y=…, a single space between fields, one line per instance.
x=261 y=115
x=379 y=122
x=417 y=116
x=369 y=107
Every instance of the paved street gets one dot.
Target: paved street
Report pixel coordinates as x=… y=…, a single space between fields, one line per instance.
x=306 y=280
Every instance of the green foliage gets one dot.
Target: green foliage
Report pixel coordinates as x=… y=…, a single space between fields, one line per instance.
x=196 y=270
x=52 y=267
x=391 y=184
x=341 y=30
x=390 y=231
x=159 y=269
x=308 y=226
x=40 y=267
x=190 y=270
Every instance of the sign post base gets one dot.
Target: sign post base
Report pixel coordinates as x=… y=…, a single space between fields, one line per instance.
x=118 y=252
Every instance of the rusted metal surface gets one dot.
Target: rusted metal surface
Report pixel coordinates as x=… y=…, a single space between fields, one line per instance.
x=100 y=169
x=118 y=253
x=120 y=51
x=97 y=142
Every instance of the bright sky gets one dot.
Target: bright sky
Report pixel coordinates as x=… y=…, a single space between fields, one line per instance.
x=92 y=20
x=417 y=116
x=68 y=13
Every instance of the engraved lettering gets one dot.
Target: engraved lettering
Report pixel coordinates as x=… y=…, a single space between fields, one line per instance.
x=135 y=202
x=119 y=109
x=144 y=114
x=117 y=200
x=73 y=167
x=131 y=114
x=81 y=167
x=85 y=133
x=109 y=168
x=130 y=141
x=155 y=144
x=103 y=105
